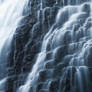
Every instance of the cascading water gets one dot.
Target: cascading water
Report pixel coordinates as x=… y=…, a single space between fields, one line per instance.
x=10 y=15
x=69 y=44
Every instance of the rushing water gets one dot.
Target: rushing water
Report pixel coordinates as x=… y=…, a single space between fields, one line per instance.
x=10 y=15
x=72 y=35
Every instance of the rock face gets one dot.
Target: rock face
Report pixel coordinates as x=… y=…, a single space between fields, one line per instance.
x=27 y=42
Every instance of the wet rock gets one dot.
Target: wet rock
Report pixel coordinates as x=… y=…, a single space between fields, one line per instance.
x=59 y=53
x=49 y=64
x=49 y=55
x=43 y=90
x=58 y=70
x=54 y=86
x=39 y=87
x=45 y=75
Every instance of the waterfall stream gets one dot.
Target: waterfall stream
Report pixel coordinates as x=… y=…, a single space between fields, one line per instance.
x=69 y=43
x=65 y=58
x=10 y=15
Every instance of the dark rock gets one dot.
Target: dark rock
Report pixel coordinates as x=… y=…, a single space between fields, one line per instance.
x=54 y=86
x=45 y=75
x=43 y=90
x=49 y=64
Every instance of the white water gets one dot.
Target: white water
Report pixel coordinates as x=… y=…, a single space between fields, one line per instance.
x=10 y=15
x=78 y=45
x=2 y=84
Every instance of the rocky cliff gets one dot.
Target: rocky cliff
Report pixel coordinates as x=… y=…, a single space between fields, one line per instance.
x=26 y=44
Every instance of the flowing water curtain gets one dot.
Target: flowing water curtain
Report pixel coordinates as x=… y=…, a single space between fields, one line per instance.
x=10 y=15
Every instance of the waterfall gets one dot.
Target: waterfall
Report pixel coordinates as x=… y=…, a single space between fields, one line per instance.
x=69 y=43
x=10 y=15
